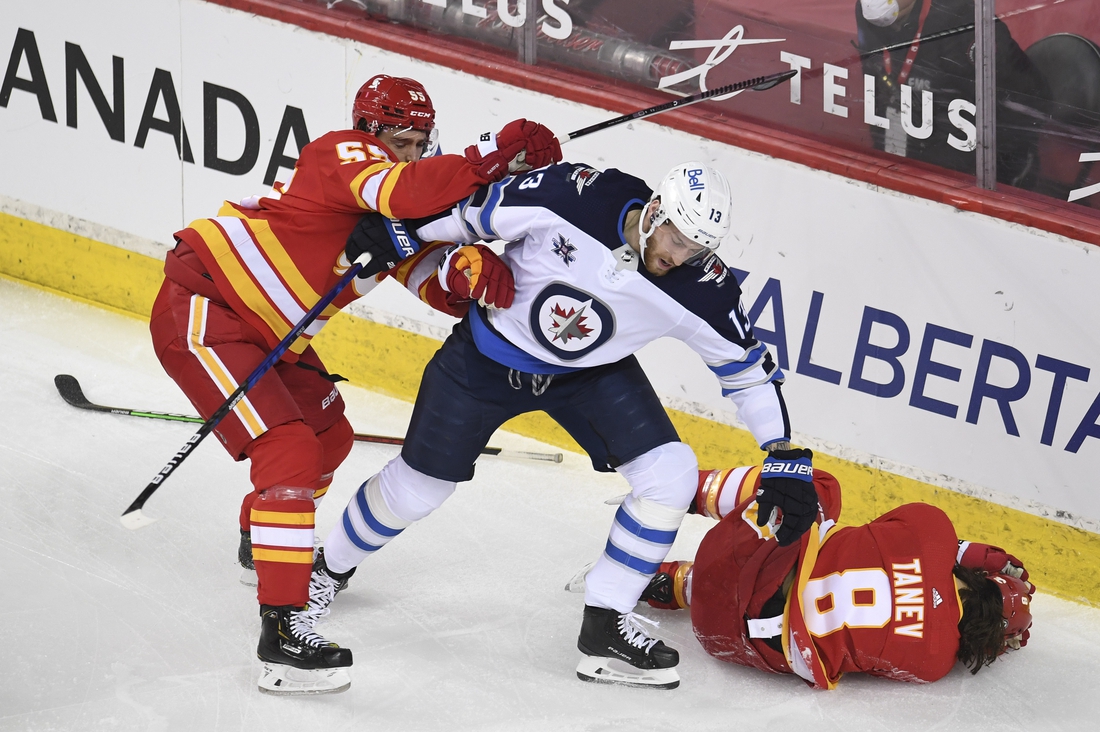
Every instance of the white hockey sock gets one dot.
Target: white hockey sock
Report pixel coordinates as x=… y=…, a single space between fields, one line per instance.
x=366 y=526
x=663 y=482
x=380 y=510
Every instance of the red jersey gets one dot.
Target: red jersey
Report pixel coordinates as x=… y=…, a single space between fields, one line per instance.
x=273 y=259
x=878 y=598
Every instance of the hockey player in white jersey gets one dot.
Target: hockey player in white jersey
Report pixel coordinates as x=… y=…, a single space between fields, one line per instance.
x=602 y=266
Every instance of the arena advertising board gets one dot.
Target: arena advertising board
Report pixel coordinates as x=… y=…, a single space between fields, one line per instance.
x=949 y=344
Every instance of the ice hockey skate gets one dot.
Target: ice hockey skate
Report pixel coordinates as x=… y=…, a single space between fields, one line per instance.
x=617 y=650
x=324 y=585
x=296 y=660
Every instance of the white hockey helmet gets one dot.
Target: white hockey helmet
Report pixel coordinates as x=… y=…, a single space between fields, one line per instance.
x=696 y=199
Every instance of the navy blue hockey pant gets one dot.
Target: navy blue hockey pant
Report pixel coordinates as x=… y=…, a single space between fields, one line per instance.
x=612 y=410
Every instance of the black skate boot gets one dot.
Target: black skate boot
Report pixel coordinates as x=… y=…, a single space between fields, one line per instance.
x=297 y=660
x=325 y=578
x=618 y=651
x=244 y=558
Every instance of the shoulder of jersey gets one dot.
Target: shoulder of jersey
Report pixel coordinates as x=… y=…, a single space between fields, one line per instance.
x=590 y=199
x=711 y=272
x=353 y=138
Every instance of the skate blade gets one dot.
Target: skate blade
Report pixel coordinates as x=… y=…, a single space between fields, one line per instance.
x=577 y=583
x=248 y=577
x=136 y=520
x=283 y=680
x=600 y=670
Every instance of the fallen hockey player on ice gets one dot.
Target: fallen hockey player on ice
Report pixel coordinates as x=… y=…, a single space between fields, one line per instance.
x=900 y=597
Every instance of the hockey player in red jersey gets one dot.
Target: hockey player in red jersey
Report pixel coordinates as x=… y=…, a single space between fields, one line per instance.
x=237 y=283
x=900 y=597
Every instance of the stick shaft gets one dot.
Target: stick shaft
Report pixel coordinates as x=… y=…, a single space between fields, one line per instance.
x=73 y=394
x=265 y=365
x=763 y=82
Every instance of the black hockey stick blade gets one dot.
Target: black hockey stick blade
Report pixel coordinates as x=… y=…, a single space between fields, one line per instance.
x=775 y=80
x=70 y=390
x=759 y=83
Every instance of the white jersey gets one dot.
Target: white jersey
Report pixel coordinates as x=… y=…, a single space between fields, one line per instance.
x=583 y=299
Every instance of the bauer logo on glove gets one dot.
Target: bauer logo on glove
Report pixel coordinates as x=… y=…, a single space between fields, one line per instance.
x=786 y=499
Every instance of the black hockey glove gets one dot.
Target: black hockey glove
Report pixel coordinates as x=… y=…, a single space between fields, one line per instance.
x=385 y=240
x=786 y=483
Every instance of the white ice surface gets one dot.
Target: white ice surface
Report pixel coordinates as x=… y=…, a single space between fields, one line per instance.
x=462 y=623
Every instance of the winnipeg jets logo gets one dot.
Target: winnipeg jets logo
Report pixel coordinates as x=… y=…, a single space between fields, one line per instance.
x=569 y=324
x=713 y=269
x=584 y=176
x=564 y=249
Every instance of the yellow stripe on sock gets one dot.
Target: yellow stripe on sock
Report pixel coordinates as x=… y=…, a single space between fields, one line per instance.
x=282 y=555
x=278 y=517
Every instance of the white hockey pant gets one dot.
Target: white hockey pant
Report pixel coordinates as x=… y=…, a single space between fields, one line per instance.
x=662 y=482
x=380 y=510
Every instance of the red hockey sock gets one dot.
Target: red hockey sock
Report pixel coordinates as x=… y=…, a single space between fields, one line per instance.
x=282 y=545
x=286 y=471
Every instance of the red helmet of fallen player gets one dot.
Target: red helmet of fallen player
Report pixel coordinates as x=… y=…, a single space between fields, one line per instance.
x=394 y=102
x=1016 y=596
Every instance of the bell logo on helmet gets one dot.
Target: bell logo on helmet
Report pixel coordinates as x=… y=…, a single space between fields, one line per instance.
x=693 y=179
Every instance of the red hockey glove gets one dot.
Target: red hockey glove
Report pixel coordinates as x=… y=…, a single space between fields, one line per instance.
x=520 y=145
x=990 y=559
x=475 y=272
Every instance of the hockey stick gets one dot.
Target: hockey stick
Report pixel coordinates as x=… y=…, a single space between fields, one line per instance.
x=69 y=389
x=760 y=83
x=132 y=517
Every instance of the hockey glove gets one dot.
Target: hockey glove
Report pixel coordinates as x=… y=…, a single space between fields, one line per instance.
x=990 y=559
x=475 y=272
x=786 y=484
x=385 y=241
x=520 y=145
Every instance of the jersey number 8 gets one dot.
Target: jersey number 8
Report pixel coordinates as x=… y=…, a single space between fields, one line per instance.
x=856 y=598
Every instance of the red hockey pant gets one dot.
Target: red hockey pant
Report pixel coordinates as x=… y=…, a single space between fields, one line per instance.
x=290 y=424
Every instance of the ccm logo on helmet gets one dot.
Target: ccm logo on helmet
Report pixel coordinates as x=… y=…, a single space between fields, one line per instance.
x=788 y=468
x=693 y=179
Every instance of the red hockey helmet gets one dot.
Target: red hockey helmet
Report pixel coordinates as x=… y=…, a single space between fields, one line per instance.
x=1016 y=596
x=392 y=101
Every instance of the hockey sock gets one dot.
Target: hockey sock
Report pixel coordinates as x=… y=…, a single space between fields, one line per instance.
x=380 y=510
x=720 y=491
x=663 y=482
x=367 y=525
x=282 y=545
x=285 y=471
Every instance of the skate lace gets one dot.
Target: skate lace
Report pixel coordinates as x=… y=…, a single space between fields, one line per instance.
x=301 y=625
x=633 y=633
x=322 y=591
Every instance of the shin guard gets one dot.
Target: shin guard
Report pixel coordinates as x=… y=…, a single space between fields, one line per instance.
x=282 y=545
